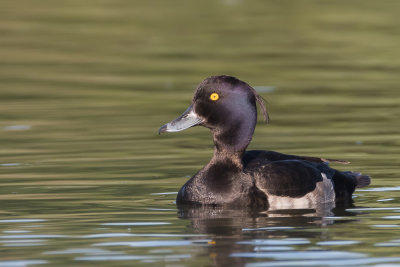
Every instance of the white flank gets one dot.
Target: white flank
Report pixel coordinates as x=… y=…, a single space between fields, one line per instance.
x=323 y=194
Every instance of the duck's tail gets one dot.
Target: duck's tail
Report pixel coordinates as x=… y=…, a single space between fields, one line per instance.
x=360 y=179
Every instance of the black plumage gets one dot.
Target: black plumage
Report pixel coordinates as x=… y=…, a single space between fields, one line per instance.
x=264 y=179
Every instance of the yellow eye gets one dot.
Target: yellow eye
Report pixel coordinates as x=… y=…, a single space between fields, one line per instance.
x=214 y=96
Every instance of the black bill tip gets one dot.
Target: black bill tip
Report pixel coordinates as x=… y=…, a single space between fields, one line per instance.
x=162 y=129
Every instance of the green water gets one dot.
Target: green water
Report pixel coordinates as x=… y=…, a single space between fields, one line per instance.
x=84 y=86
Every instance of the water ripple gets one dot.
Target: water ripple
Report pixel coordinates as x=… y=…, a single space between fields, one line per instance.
x=374 y=209
x=133 y=257
x=154 y=243
x=272 y=228
x=394 y=217
x=86 y=251
x=23 y=242
x=164 y=193
x=31 y=236
x=273 y=242
x=21 y=263
x=380 y=189
x=336 y=262
x=300 y=255
x=17 y=127
x=273 y=248
x=22 y=220
x=112 y=235
x=338 y=243
x=135 y=223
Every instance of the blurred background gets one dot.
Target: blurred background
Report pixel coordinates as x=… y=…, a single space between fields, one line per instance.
x=85 y=85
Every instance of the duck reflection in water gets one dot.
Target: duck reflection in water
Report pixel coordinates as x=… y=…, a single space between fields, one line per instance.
x=256 y=179
x=242 y=231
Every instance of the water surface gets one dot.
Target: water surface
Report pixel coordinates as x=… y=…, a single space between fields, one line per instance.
x=85 y=180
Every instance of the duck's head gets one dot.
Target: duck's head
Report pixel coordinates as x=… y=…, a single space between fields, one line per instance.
x=225 y=105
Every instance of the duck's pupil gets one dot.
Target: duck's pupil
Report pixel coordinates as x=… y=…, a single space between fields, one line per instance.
x=214 y=96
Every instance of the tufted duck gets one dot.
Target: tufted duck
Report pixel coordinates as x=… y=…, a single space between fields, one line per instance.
x=258 y=178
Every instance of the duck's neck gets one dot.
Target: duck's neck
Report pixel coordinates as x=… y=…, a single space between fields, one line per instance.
x=231 y=142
